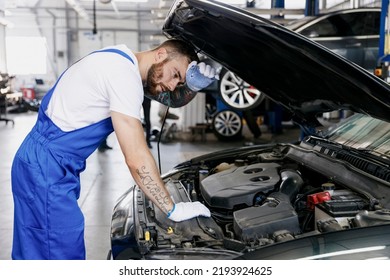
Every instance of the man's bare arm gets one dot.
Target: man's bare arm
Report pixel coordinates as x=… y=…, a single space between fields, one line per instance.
x=140 y=161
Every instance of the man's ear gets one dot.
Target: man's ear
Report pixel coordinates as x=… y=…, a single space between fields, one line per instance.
x=160 y=55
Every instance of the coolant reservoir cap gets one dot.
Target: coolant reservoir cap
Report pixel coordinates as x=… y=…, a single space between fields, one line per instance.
x=328 y=187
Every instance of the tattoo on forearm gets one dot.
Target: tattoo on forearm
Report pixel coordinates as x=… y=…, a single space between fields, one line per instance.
x=154 y=189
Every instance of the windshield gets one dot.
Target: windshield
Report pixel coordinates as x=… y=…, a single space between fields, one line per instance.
x=364 y=133
x=295 y=24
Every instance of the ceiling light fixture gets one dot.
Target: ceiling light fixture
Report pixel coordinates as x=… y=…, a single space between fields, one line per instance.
x=75 y=4
x=6 y=22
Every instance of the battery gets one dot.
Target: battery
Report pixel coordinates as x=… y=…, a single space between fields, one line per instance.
x=343 y=204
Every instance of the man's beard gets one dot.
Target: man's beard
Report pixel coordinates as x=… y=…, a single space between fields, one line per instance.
x=155 y=74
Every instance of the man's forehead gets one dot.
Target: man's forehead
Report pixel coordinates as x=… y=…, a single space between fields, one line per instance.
x=183 y=71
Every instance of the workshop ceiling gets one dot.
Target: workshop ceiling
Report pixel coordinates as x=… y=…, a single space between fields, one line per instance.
x=104 y=8
x=148 y=9
x=154 y=10
x=149 y=14
x=110 y=15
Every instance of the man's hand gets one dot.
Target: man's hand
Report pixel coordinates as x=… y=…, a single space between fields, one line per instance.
x=200 y=75
x=187 y=210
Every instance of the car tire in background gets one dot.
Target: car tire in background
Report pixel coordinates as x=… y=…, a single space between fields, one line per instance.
x=227 y=125
x=236 y=93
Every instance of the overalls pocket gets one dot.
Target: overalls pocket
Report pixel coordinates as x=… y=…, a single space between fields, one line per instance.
x=63 y=209
x=25 y=179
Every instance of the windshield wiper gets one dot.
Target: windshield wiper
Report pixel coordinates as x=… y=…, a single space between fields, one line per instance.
x=363 y=153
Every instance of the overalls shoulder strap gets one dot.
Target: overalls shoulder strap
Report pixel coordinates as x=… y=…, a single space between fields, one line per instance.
x=122 y=53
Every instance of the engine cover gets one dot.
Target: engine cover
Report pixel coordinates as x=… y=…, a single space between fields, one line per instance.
x=265 y=220
x=239 y=185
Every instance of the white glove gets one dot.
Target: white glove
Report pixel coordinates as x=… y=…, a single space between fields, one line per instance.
x=200 y=75
x=187 y=210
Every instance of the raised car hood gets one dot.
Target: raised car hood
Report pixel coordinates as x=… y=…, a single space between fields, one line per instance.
x=292 y=70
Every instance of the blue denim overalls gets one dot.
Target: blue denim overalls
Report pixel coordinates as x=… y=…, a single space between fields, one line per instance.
x=48 y=223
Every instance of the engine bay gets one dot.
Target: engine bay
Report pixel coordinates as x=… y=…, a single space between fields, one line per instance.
x=260 y=198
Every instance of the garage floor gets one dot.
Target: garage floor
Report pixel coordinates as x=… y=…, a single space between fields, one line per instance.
x=104 y=180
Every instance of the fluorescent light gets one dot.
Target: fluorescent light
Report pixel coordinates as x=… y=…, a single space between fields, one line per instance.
x=6 y=22
x=75 y=4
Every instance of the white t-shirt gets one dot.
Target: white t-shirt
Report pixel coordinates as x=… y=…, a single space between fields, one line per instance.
x=92 y=87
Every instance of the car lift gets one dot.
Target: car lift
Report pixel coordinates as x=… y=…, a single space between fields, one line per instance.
x=382 y=69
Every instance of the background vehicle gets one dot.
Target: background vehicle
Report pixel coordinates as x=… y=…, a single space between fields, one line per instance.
x=352 y=33
x=230 y=101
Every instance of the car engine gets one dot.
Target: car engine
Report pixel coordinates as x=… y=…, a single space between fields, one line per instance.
x=260 y=198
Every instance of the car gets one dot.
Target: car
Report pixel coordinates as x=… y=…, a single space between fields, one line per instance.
x=229 y=100
x=351 y=33
x=326 y=196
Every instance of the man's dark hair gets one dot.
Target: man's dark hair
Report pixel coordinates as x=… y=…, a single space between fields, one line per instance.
x=175 y=46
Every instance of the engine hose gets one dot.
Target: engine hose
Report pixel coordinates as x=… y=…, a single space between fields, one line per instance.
x=291 y=183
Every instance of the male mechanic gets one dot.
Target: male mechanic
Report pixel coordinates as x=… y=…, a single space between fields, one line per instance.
x=101 y=93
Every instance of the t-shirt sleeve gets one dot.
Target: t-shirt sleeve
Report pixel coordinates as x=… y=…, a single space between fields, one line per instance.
x=123 y=86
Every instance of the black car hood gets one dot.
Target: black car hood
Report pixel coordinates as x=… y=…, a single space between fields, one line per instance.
x=303 y=76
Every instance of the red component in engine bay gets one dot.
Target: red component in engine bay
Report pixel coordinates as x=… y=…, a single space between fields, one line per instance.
x=317 y=198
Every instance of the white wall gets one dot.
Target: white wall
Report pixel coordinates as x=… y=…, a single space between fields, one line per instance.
x=68 y=36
